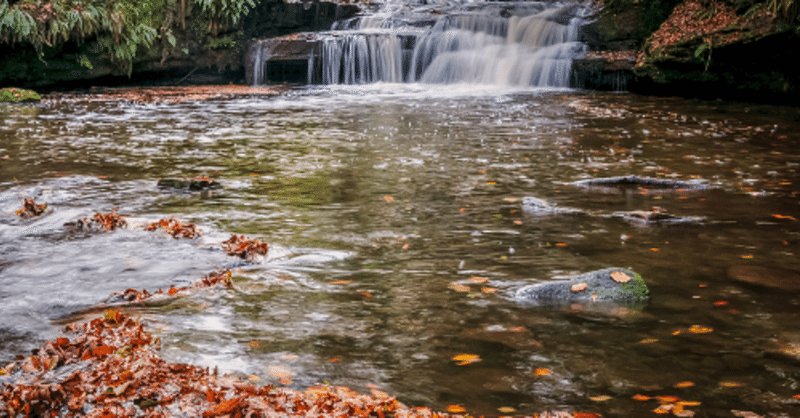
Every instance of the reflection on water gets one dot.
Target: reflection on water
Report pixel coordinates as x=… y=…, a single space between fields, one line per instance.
x=381 y=205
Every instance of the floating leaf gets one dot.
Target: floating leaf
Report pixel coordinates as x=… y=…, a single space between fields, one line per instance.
x=655 y=250
x=638 y=397
x=601 y=398
x=506 y=409
x=685 y=384
x=458 y=287
x=668 y=399
x=253 y=378
x=648 y=341
x=730 y=384
x=388 y=198
x=465 y=359
x=720 y=303
x=663 y=409
x=699 y=329
x=561 y=244
x=542 y=372
x=488 y=289
x=341 y=282
x=577 y=287
x=477 y=279
x=455 y=409
x=255 y=344
x=777 y=216
x=334 y=360
x=279 y=372
x=620 y=277
x=689 y=403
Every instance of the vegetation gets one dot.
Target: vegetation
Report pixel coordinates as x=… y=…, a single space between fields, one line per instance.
x=14 y=95
x=123 y=28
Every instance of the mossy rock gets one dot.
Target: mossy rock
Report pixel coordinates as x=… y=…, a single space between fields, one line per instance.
x=615 y=284
x=15 y=95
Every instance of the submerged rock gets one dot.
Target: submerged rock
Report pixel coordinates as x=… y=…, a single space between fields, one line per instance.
x=195 y=184
x=766 y=276
x=633 y=181
x=540 y=207
x=607 y=285
x=657 y=216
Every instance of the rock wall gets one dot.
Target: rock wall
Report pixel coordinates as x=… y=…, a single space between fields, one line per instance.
x=197 y=56
x=698 y=49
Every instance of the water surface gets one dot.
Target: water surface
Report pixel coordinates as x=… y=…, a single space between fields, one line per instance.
x=379 y=201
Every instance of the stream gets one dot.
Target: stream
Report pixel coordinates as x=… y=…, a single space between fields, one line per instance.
x=398 y=236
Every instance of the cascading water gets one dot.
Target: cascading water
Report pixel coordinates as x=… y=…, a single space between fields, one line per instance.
x=528 y=43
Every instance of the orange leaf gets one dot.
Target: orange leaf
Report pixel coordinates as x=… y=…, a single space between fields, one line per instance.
x=730 y=384
x=585 y=415
x=458 y=287
x=172 y=291
x=720 y=303
x=668 y=399
x=561 y=244
x=465 y=359
x=253 y=378
x=477 y=279
x=341 y=282
x=620 y=277
x=103 y=350
x=542 y=372
x=655 y=250
x=648 y=341
x=638 y=397
x=577 y=287
x=365 y=294
x=777 y=216
x=334 y=360
x=279 y=372
x=506 y=409
x=388 y=198
x=689 y=403
x=488 y=289
x=455 y=409
x=601 y=398
x=685 y=384
x=699 y=329
x=662 y=410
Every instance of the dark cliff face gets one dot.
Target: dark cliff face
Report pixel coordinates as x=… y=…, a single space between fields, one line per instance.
x=196 y=55
x=713 y=50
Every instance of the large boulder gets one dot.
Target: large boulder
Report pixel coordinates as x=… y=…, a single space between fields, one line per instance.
x=615 y=284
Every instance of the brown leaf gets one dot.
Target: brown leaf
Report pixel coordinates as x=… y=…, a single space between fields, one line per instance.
x=620 y=277
x=577 y=287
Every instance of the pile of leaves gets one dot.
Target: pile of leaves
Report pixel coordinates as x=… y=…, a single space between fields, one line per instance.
x=110 y=368
x=30 y=208
x=102 y=221
x=175 y=228
x=15 y=95
x=244 y=248
x=692 y=20
x=130 y=295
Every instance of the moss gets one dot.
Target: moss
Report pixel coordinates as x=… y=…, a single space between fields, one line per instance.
x=15 y=95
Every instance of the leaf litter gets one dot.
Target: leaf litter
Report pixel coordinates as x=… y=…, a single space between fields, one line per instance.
x=31 y=209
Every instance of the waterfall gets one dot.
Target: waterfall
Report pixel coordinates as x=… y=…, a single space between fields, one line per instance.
x=503 y=43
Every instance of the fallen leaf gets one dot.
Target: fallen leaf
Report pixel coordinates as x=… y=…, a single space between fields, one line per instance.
x=255 y=344
x=648 y=340
x=655 y=250
x=455 y=409
x=388 y=198
x=638 y=397
x=518 y=222
x=506 y=409
x=458 y=287
x=488 y=289
x=689 y=403
x=477 y=279
x=720 y=303
x=334 y=360
x=699 y=329
x=601 y=398
x=620 y=277
x=663 y=409
x=542 y=372
x=465 y=359
x=777 y=216
x=561 y=244
x=577 y=287
x=748 y=256
x=365 y=294
x=730 y=384
x=341 y=282
x=253 y=378
x=685 y=384
x=668 y=399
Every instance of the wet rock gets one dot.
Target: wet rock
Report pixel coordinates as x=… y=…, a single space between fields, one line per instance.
x=766 y=276
x=540 y=207
x=608 y=285
x=640 y=183
x=195 y=184
x=657 y=216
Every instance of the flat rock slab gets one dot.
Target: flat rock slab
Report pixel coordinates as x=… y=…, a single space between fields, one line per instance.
x=636 y=182
x=766 y=276
x=540 y=207
x=607 y=285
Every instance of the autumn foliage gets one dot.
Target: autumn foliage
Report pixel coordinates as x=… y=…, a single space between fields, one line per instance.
x=30 y=208
x=245 y=248
x=102 y=221
x=175 y=227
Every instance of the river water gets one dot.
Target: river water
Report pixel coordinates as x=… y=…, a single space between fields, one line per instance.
x=382 y=204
